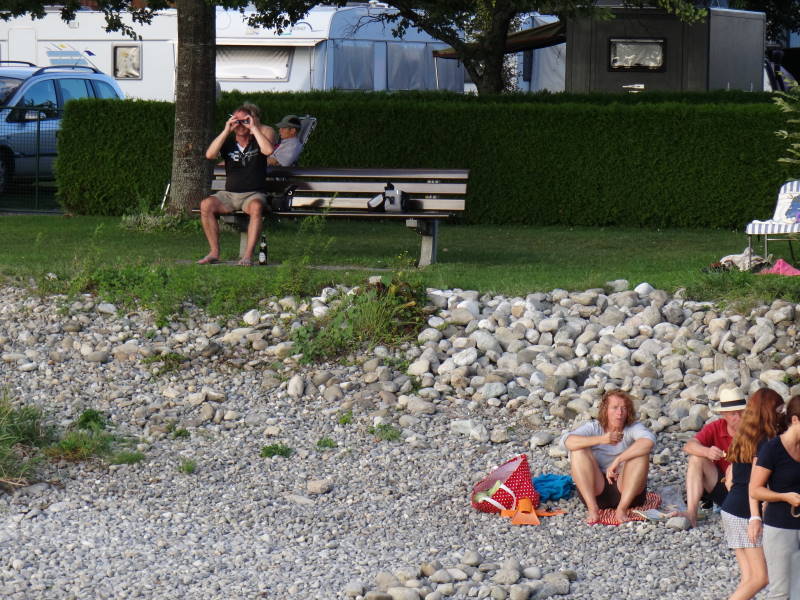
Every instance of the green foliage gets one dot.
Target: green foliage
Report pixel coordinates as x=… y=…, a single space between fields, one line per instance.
x=386 y=432
x=345 y=418
x=180 y=433
x=644 y=160
x=81 y=444
x=293 y=275
x=187 y=466
x=276 y=450
x=325 y=443
x=376 y=314
x=166 y=363
x=107 y=178
x=22 y=433
x=126 y=457
x=91 y=419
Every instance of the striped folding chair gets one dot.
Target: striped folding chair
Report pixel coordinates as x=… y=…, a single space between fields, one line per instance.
x=784 y=225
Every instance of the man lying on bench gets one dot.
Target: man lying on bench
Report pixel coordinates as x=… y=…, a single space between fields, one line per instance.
x=245 y=158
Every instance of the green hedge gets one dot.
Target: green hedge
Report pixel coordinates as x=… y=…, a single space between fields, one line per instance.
x=114 y=155
x=665 y=160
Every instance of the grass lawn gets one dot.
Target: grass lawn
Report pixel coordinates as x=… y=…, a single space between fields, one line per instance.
x=96 y=254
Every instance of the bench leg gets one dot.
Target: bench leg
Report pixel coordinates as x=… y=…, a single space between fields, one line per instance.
x=429 y=232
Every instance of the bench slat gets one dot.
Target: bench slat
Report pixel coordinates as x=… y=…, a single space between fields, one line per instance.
x=440 y=204
x=378 y=187
x=360 y=214
x=437 y=174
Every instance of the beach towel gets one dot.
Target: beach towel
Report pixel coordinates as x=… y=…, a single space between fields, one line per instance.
x=781 y=267
x=553 y=487
x=652 y=500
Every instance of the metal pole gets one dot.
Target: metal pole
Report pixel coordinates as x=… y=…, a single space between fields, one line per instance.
x=38 y=156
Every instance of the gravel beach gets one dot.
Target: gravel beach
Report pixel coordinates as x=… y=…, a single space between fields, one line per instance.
x=491 y=377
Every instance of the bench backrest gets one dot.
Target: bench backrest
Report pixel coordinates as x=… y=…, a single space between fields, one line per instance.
x=442 y=190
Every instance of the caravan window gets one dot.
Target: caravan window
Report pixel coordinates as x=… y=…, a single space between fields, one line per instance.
x=264 y=63
x=354 y=63
x=631 y=54
x=406 y=66
x=127 y=62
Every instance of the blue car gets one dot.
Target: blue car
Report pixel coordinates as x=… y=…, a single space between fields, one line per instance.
x=32 y=100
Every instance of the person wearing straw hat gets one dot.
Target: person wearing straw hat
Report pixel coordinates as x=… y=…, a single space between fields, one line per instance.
x=706 y=469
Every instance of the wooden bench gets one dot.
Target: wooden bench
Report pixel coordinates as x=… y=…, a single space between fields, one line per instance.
x=433 y=196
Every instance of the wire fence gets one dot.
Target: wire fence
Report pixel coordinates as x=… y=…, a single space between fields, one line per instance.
x=28 y=137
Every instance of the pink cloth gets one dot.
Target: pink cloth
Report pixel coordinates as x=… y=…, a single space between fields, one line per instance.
x=781 y=267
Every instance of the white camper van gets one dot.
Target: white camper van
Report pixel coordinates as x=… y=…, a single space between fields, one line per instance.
x=332 y=48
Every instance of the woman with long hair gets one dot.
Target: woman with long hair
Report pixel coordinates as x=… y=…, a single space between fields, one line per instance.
x=741 y=514
x=776 y=481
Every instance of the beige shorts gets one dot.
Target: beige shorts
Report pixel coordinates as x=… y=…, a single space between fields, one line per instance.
x=239 y=200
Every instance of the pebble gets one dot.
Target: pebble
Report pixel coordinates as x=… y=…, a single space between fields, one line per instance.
x=516 y=370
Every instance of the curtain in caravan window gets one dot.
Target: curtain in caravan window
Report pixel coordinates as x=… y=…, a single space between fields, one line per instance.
x=450 y=72
x=353 y=65
x=254 y=62
x=407 y=66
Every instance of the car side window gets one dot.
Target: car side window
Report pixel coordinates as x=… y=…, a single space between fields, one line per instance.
x=72 y=89
x=43 y=96
x=103 y=90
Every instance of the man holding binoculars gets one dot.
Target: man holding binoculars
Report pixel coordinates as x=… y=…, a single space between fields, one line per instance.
x=245 y=157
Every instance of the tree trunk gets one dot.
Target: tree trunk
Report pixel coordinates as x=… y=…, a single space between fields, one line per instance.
x=195 y=102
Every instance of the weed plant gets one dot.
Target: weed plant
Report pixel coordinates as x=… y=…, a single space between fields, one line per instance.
x=386 y=432
x=22 y=434
x=187 y=466
x=126 y=457
x=171 y=361
x=81 y=444
x=377 y=314
x=180 y=433
x=276 y=450
x=293 y=276
x=325 y=443
x=345 y=418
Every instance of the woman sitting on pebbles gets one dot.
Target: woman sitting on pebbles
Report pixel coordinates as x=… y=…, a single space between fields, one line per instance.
x=610 y=458
x=776 y=480
x=741 y=514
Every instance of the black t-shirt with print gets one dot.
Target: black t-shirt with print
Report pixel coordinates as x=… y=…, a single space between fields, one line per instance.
x=245 y=170
x=785 y=477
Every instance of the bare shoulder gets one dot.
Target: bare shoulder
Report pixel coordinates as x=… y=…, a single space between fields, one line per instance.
x=269 y=132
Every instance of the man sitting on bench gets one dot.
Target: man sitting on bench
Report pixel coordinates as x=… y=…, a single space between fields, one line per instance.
x=245 y=178
x=290 y=147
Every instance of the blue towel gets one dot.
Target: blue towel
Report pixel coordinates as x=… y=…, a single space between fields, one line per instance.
x=553 y=487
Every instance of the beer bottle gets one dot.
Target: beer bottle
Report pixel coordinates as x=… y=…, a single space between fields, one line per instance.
x=262 y=250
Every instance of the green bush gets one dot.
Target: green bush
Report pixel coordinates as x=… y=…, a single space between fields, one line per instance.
x=650 y=160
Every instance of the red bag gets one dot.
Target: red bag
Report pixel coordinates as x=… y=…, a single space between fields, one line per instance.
x=511 y=481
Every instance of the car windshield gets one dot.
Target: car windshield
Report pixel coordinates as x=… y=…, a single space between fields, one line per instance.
x=8 y=85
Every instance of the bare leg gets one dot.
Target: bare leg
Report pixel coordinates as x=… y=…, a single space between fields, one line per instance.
x=754 y=573
x=588 y=479
x=255 y=209
x=631 y=482
x=210 y=209
x=701 y=475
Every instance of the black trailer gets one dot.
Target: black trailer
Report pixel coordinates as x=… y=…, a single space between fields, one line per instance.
x=648 y=49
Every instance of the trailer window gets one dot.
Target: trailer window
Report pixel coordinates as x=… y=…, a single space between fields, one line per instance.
x=406 y=66
x=632 y=54
x=354 y=65
x=262 y=63
x=8 y=85
x=127 y=62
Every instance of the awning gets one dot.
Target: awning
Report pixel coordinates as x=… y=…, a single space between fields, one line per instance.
x=543 y=36
x=257 y=41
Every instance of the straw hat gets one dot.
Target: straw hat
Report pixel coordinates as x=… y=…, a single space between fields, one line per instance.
x=730 y=399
